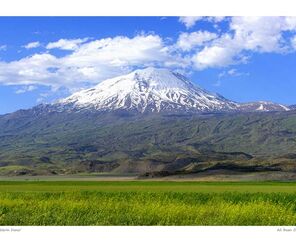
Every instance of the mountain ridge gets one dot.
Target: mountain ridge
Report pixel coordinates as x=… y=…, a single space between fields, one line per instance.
x=157 y=90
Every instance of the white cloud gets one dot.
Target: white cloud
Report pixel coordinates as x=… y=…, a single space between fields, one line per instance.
x=293 y=42
x=120 y=51
x=221 y=53
x=214 y=56
x=232 y=72
x=189 y=21
x=290 y=23
x=262 y=34
x=215 y=19
x=24 y=89
x=66 y=44
x=228 y=73
x=28 y=71
x=253 y=34
x=3 y=47
x=113 y=56
x=187 y=41
x=32 y=45
x=90 y=62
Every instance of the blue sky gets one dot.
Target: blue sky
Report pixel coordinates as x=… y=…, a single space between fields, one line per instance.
x=243 y=59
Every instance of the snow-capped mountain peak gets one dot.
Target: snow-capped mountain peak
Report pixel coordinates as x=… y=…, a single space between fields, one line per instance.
x=148 y=90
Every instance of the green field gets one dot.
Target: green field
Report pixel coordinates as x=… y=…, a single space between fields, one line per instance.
x=147 y=203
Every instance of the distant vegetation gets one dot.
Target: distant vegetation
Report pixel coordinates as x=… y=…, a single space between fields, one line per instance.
x=44 y=142
x=147 y=203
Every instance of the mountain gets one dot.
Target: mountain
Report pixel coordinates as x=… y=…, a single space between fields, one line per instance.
x=262 y=106
x=148 y=90
x=156 y=90
x=292 y=107
x=39 y=143
x=151 y=120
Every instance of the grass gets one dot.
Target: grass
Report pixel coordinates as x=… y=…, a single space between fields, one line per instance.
x=147 y=203
x=11 y=168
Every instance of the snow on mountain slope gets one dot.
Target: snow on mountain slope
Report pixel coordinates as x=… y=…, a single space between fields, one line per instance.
x=262 y=106
x=151 y=90
x=156 y=90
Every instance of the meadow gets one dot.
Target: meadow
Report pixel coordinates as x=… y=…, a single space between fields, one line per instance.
x=147 y=203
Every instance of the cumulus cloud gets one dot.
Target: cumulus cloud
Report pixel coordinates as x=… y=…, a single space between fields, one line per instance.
x=187 y=41
x=189 y=21
x=220 y=53
x=120 y=51
x=253 y=34
x=90 y=62
x=32 y=45
x=27 y=71
x=262 y=34
x=66 y=44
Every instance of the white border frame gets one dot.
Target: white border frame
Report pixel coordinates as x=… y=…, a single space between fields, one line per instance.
x=148 y=8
